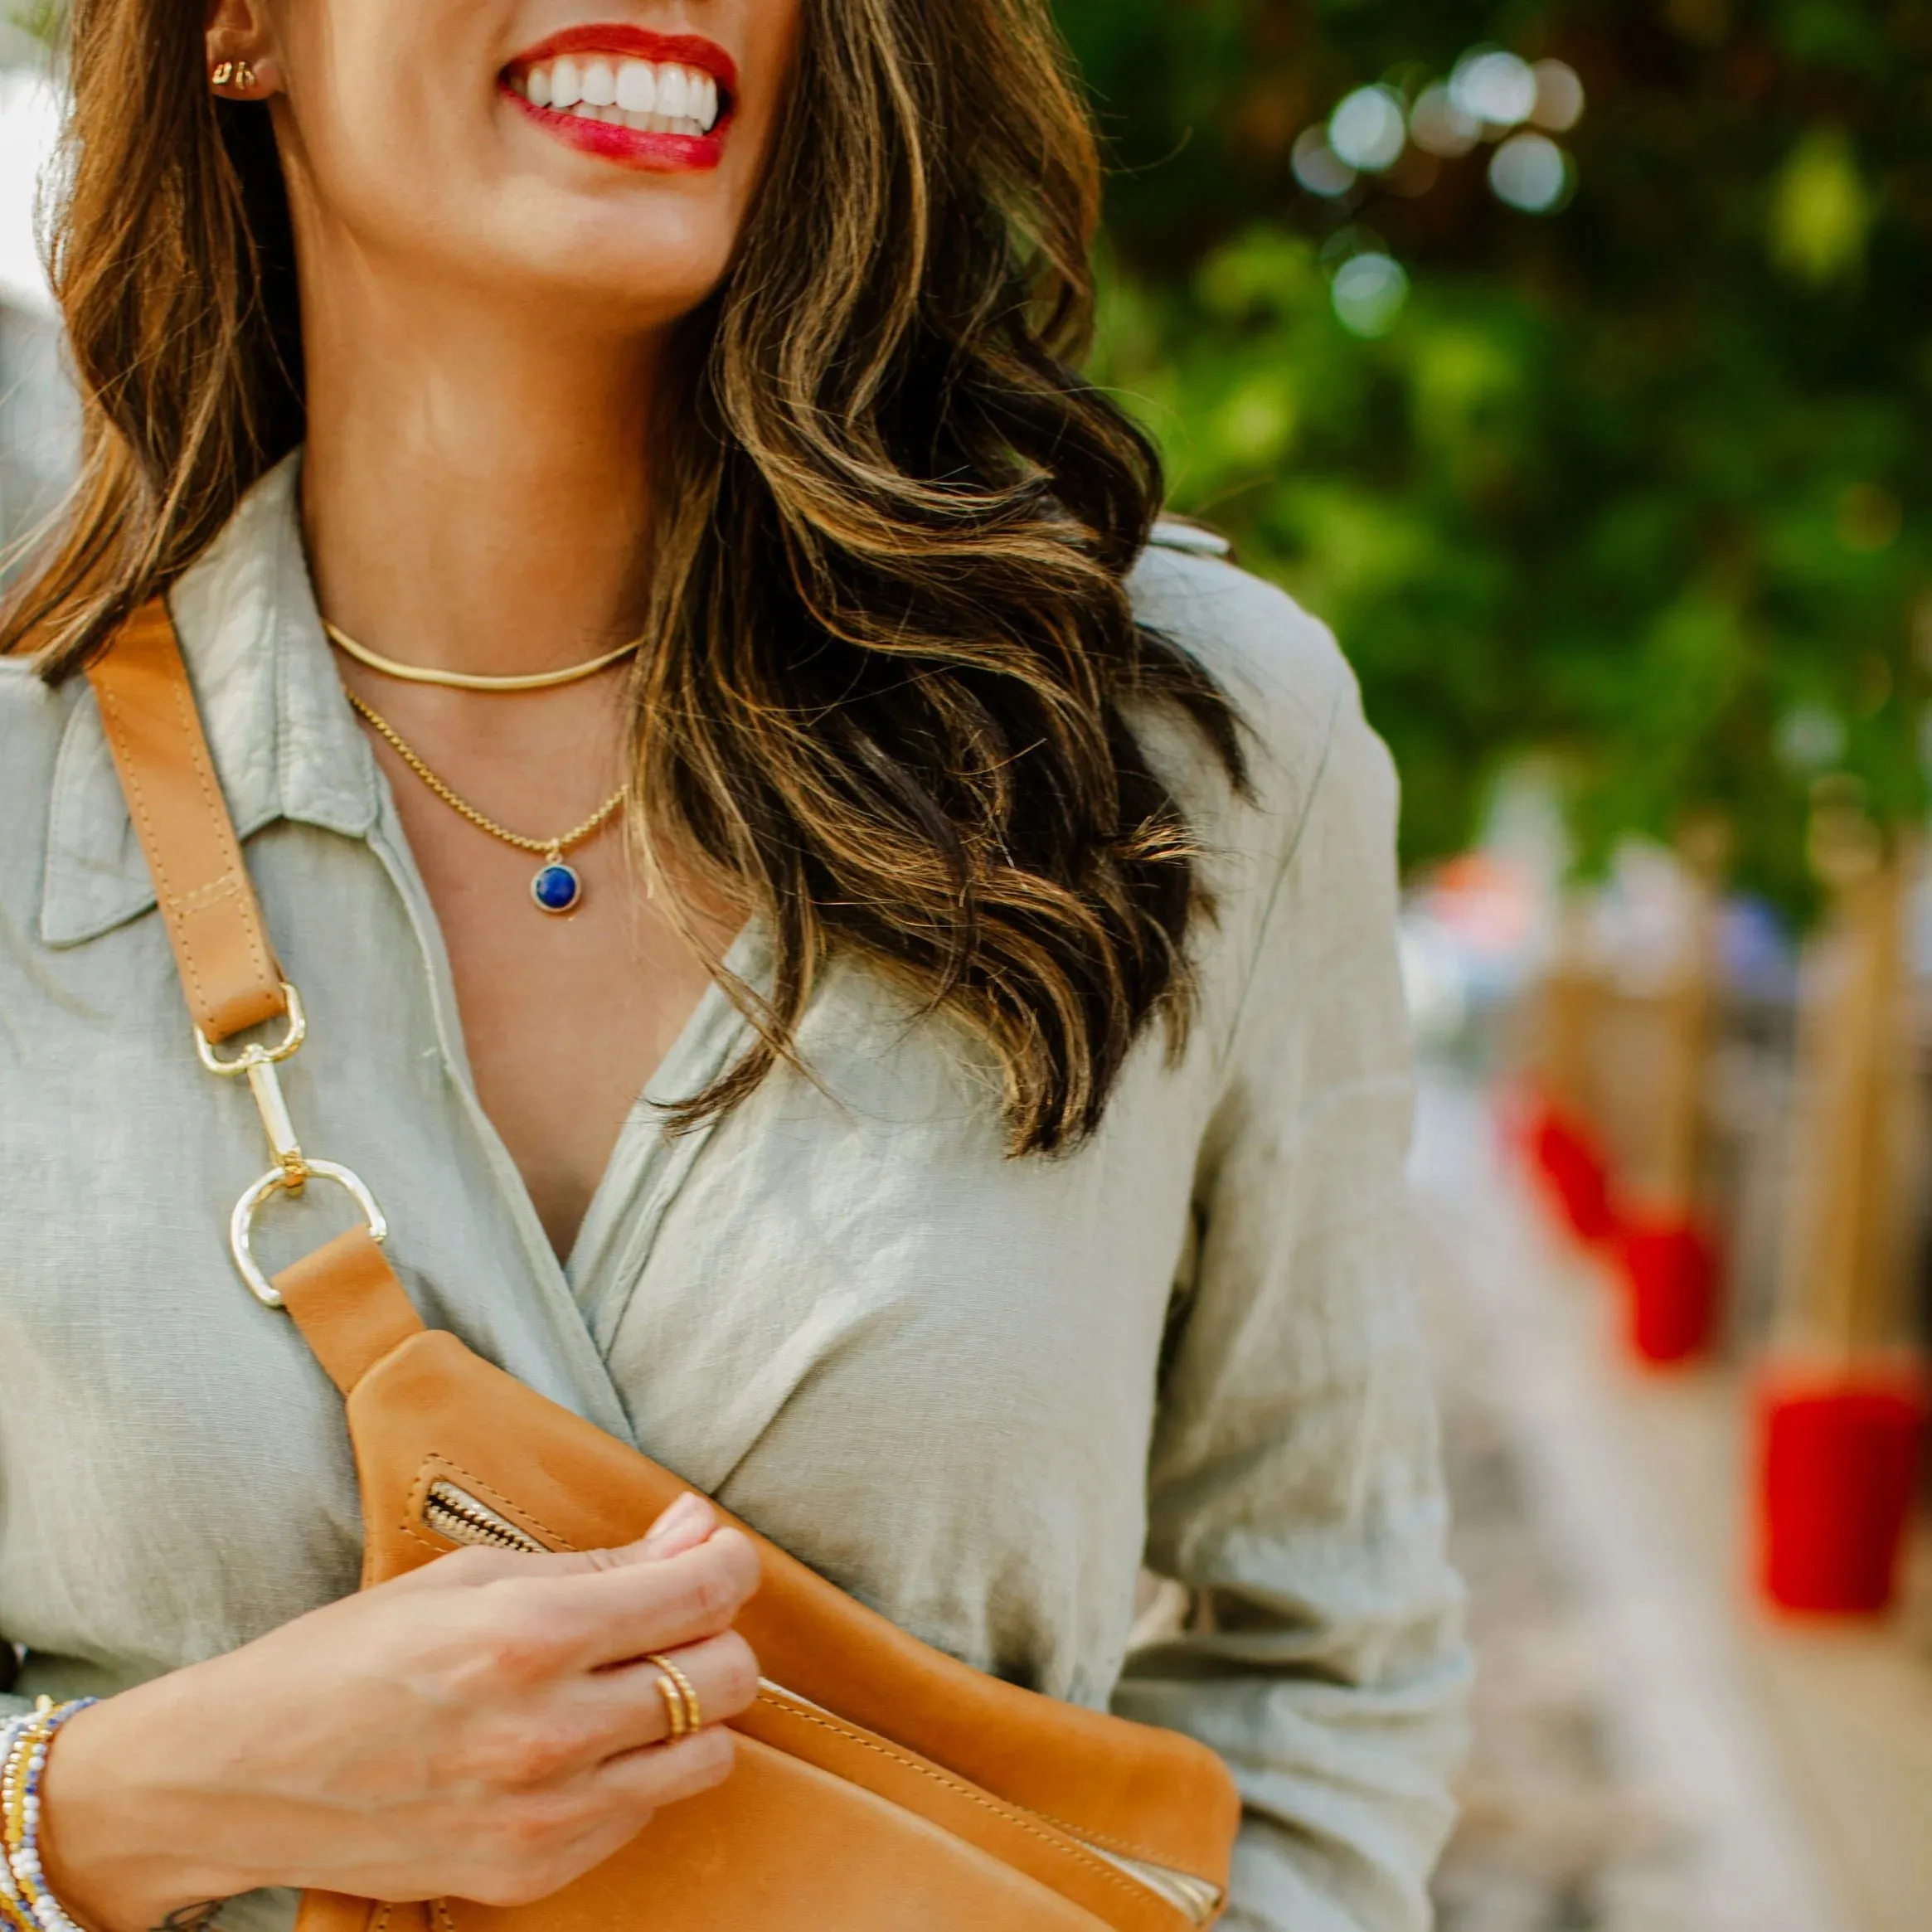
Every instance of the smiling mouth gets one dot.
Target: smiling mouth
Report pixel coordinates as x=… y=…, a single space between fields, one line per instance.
x=660 y=101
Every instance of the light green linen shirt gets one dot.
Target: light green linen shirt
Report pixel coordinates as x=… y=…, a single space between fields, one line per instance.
x=976 y=1391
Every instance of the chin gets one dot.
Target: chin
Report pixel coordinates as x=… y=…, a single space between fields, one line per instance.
x=654 y=299
x=603 y=258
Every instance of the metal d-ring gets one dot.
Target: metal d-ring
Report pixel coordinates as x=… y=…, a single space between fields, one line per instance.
x=257 y=1055
x=280 y=1181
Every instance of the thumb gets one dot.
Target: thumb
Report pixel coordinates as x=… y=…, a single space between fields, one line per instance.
x=687 y=1523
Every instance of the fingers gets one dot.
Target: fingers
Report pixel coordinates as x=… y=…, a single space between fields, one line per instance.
x=566 y=1733
x=682 y=1526
x=665 y=1773
x=580 y=1611
x=625 y=1709
x=616 y=1614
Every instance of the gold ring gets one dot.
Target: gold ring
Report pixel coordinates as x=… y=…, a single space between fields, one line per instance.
x=681 y=1704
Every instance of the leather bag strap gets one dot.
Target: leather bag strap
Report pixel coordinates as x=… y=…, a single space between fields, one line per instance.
x=345 y=1298
x=350 y=1306
x=228 y=967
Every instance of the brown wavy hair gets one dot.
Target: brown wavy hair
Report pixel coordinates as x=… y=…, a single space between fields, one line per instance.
x=890 y=667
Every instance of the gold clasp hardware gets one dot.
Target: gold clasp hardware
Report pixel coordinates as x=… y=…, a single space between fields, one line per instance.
x=258 y=1063
x=242 y=1222
x=292 y=1169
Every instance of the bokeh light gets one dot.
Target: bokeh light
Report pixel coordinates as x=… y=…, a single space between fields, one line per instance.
x=1369 y=129
x=1438 y=126
x=1560 y=97
x=1810 y=738
x=1530 y=172
x=1318 y=167
x=1494 y=87
x=1368 y=292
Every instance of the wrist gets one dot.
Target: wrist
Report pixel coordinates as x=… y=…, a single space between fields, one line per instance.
x=117 y=1839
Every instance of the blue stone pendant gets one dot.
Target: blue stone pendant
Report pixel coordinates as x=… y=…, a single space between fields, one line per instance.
x=556 y=888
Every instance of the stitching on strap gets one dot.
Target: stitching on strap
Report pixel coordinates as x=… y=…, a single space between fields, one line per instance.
x=1153 y=1854
x=212 y=802
x=203 y=897
x=228 y=882
x=105 y=695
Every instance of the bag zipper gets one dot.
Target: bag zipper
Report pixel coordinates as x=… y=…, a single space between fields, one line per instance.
x=1186 y=1893
x=459 y=1517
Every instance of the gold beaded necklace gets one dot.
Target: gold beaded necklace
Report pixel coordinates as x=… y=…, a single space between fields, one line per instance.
x=557 y=888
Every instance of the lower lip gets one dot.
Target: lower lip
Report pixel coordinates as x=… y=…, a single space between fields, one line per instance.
x=628 y=147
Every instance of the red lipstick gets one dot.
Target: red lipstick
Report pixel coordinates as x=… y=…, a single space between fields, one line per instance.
x=613 y=141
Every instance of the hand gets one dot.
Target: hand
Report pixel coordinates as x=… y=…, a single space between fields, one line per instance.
x=482 y=1729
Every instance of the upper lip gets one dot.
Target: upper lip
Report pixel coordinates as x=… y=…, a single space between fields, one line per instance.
x=636 y=43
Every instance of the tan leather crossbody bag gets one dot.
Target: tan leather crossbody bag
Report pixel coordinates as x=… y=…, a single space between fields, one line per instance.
x=882 y=1786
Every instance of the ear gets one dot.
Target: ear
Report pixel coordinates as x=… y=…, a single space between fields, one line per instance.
x=242 y=62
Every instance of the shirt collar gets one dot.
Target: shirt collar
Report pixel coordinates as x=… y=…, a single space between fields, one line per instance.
x=284 y=742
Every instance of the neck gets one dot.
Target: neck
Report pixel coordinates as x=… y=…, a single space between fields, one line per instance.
x=474 y=487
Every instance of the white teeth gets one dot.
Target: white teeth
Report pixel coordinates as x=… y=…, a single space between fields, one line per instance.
x=662 y=99
x=637 y=87
x=663 y=124
x=599 y=83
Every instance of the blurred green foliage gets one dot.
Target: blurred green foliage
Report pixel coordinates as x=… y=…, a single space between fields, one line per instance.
x=1641 y=484
x=39 y=20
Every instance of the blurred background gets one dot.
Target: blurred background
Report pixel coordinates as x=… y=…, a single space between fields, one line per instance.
x=1573 y=358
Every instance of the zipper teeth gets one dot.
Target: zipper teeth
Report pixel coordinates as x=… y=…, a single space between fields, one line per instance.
x=1182 y=1890
x=454 y=1513
x=457 y=1514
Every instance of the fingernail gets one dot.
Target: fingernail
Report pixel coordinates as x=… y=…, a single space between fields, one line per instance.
x=680 y=1515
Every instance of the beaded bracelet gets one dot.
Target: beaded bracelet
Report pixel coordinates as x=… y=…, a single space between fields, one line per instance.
x=23 y=1762
x=12 y=1912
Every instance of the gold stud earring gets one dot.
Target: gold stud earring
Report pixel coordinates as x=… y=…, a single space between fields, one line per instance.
x=244 y=75
x=224 y=72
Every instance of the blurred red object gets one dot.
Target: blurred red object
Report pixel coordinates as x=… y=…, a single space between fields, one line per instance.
x=1489 y=902
x=1839 y=1462
x=1566 y=1155
x=1670 y=1268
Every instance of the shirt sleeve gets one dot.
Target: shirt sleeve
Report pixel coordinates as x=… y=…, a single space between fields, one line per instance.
x=1295 y=1484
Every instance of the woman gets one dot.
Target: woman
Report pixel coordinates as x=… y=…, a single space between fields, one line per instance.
x=1002 y=949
